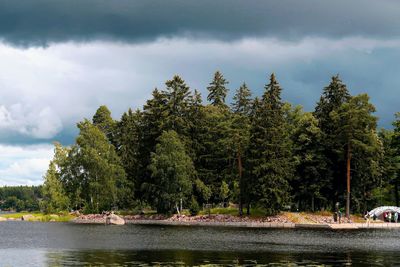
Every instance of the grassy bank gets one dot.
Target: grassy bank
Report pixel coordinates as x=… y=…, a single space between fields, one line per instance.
x=40 y=217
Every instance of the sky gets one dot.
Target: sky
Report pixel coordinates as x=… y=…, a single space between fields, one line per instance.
x=61 y=60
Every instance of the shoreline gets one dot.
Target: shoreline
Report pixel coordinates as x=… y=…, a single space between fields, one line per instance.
x=235 y=222
x=282 y=221
x=342 y=226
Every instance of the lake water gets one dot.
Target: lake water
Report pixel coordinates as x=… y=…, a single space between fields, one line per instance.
x=60 y=244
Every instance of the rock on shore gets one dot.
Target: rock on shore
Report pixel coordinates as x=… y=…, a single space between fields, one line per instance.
x=110 y=218
x=114 y=219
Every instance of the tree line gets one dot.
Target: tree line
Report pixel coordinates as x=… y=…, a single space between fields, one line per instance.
x=178 y=152
x=20 y=198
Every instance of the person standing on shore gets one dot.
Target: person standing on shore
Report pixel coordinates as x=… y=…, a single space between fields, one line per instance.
x=396 y=217
x=389 y=216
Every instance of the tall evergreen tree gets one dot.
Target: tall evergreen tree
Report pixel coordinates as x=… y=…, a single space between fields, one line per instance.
x=177 y=110
x=152 y=125
x=309 y=179
x=242 y=100
x=356 y=130
x=395 y=152
x=103 y=120
x=177 y=96
x=333 y=96
x=128 y=149
x=212 y=161
x=269 y=151
x=217 y=90
x=389 y=183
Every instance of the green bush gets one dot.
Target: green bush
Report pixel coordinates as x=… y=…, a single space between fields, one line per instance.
x=194 y=207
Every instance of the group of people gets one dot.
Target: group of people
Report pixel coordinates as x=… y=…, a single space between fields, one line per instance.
x=390 y=216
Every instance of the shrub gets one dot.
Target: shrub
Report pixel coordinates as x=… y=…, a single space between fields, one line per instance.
x=194 y=207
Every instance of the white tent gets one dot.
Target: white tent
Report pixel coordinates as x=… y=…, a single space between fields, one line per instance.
x=379 y=210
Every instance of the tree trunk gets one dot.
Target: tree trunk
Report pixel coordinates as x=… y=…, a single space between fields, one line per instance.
x=240 y=170
x=396 y=192
x=348 y=181
x=312 y=202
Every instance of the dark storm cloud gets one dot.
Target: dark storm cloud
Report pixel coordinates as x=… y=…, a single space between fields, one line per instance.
x=41 y=22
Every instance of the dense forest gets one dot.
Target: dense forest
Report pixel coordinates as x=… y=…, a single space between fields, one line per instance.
x=18 y=198
x=178 y=152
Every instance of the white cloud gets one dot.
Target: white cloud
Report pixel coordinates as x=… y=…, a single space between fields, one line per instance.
x=41 y=124
x=24 y=165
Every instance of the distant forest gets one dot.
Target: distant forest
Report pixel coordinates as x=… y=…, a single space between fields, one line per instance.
x=178 y=152
x=19 y=198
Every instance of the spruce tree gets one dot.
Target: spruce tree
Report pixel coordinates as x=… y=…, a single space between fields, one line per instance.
x=333 y=96
x=103 y=120
x=177 y=95
x=309 y=179
x=128 y=149
x=152 y=125
x=269 y=151
x=242 y=100
x=394 y=150
x=217 y=90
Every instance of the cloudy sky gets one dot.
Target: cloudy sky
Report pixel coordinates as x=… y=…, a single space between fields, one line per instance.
x=60 y=60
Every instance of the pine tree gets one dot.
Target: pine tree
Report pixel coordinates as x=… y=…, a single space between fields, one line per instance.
x=217 y=90
x=269 y=152
x=357 y=132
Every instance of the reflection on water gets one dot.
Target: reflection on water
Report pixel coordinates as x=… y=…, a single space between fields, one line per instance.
x=63 y=244
x=202 y=258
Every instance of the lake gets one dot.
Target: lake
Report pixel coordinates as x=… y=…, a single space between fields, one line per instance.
x=58 y=244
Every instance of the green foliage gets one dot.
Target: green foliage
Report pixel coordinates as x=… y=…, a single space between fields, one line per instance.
x=102 y=176
x=19 y=198
x=172 y=173
x=333 y=96
x=103 y=120
x=224 y=191
x=217 y=90
x=54 y=197
x=309 y=179
x=128 y=149
x=202 y=191
x=242 y=100
x=269 y=163
x=357 y=134
x=194 y=207
x=262 y=153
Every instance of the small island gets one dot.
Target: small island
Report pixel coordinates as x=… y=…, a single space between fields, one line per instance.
x=258 y=163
